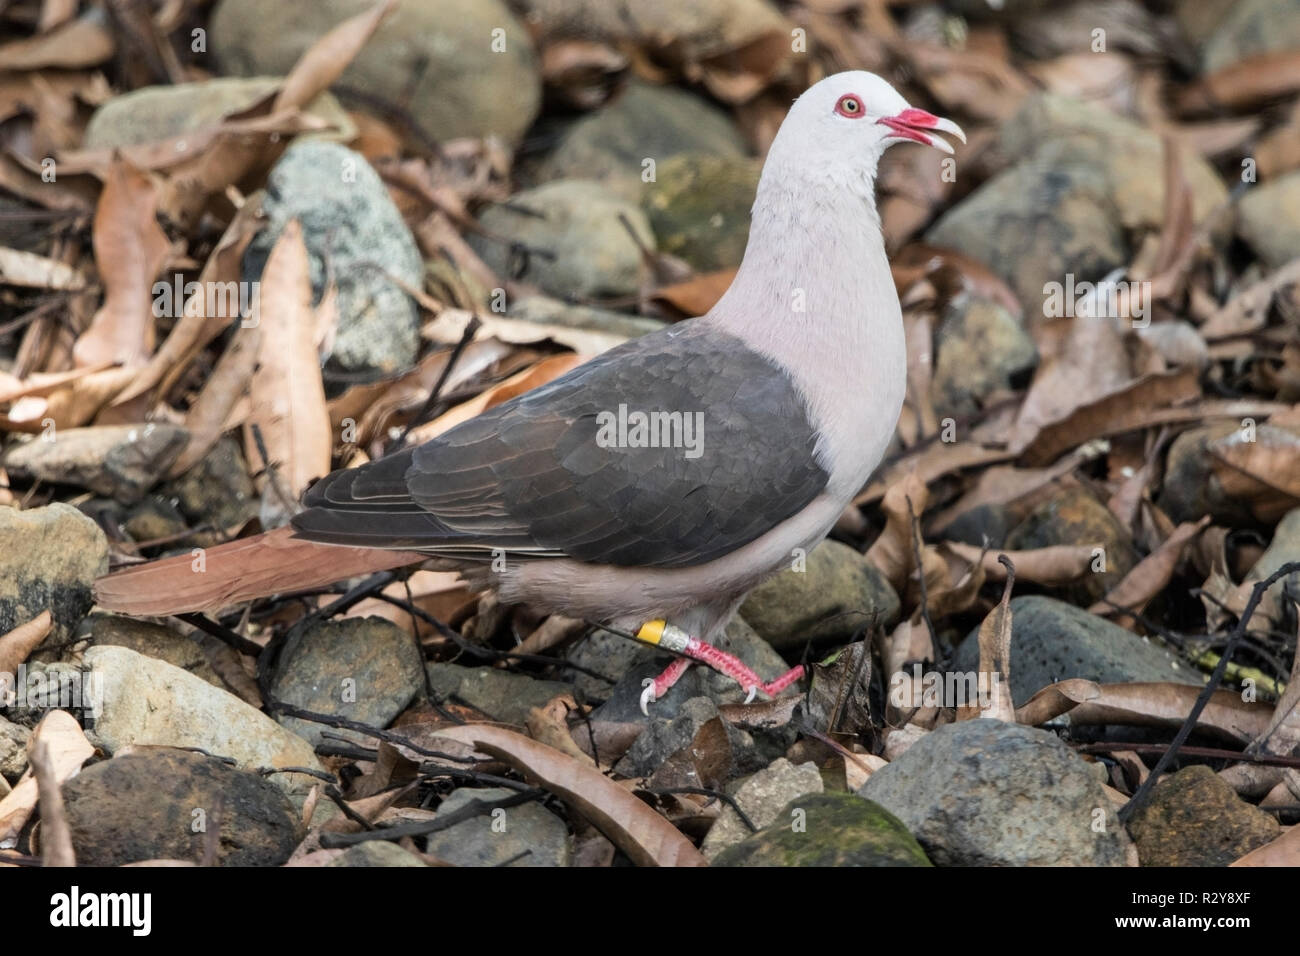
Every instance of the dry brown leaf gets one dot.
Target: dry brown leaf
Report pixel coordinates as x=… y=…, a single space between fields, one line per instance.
x=72 y=46
x=929 y=462
x=1145 y=704
x=67 y=749
x=1152 y=574
x=995 y=665
x=204 y=315
x=697 y=295
x=544 y=371
x=1249 y=82
x=327 y=58
x=1128 y=408
x=647 y=838
x=1051 y=566
x=288 y=396
x=130 y=251
x=207 y=418
x=22 y=640
x=894 y=550
x=1284 y=851
x=449 y=327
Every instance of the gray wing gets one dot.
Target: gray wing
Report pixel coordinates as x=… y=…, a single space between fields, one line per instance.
x=537 y=476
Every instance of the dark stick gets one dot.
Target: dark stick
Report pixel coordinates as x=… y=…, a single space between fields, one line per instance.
x=1256 y=595
x=222 y=633
x=1209 y=753
x=474 y=808
x=706 y=792
x=431 y=402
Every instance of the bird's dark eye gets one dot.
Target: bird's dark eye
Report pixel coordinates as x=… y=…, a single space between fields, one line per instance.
x=851 y=106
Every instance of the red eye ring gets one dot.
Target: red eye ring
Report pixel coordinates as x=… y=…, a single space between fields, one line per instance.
x=850 y=106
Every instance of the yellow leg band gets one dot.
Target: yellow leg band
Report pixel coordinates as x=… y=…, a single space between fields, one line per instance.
x=652 y=632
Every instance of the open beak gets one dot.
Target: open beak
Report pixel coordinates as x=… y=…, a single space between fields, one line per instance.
x=917 y=125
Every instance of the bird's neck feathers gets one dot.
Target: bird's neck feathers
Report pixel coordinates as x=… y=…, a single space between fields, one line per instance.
x=815 y=294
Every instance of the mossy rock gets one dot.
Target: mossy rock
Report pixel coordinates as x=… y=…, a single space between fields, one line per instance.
x=837 y=829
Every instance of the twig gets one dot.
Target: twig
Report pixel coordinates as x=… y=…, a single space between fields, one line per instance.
x=1256 y=595
x=474 y=808
x=426 y=410
x=705 y=792
x=56 y=836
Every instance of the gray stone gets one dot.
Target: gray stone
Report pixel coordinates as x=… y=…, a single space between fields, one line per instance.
x=666 y=737
x=153 y=640
x=699 y=208
x=763 y=796
x=529 y=829
x=1249 y=28
x=437 y=60
x=216 y=491
x=356 y=236
x=363 y=669
x=13 y=749
x=987 y=793
x=120 y=461
x=642 y=122
x=162 y=803
x=837 y=594
x=1080 y=180
x=147 y=701
x=1268 y=218
x=981 y=348
x=376 y=853
x=499 y=694
x=49 y=557
x=1195 y=819
x=578 y=245
x=838 y=829
x=1053 y=641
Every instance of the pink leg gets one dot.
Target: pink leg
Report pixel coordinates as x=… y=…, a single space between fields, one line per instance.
x=672 y=638
x=656 y=687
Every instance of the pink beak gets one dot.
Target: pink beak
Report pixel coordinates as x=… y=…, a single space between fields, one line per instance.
x=916 y=125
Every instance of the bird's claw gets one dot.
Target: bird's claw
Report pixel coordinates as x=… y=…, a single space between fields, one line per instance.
x=648 y=696
x=753 y=692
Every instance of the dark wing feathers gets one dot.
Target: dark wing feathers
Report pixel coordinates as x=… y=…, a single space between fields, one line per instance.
x=529 y=476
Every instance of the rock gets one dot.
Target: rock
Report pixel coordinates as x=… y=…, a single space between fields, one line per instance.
x=987 y=793
x=49 y=557
x=610 y=654
x=643 y=122
x=699 y=208
x=1199 y=19
x=154 y=519
x=529 y=829
x=120 y=461
x=763 y=796
x=548 y=311
x=153 y=640
x=838 y=593
x=161 y=803
x=459 y=68
x=147 y=701
x=981 y=348
x=680 y=736
x=365 y=669
x=350 y=224
x=1081 y=181
x=13 y=749
x=1191 y=486
x=578 y=245
x=1268 y=218
x=216 y=491
x=1075 y=517
x=376 y=853
x=499 y=694
x=161 y=112
x=1195 y=819
x=1252 y=27
x=1053 y=641
x=837 y=829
